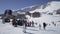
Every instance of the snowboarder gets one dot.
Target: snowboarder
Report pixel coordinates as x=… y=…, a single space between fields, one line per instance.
x=44 y=25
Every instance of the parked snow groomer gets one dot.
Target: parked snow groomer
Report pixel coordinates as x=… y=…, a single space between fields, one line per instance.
x=5 y=20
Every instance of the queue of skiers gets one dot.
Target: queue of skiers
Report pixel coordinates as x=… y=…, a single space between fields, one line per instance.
x=27 y=23
x=22 y=22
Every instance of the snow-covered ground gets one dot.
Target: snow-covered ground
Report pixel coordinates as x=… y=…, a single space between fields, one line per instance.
x=7 y=28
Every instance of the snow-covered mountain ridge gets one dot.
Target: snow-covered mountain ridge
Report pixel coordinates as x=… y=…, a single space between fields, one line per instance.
x=50 y=7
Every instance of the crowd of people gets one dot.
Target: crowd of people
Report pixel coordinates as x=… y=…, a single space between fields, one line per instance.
x=22 y=22
x=27 y=23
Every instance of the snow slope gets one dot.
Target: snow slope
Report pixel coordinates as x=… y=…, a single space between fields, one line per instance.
x=7 y=28
x=50 y=7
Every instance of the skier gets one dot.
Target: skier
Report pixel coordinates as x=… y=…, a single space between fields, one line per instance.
x=3 y=20
x=25 y=24
x=53 y=23
x=28 y=24
x=39 y=26
x=14 y=23
x=32 y=24
x=44 y=25
x=24 y=29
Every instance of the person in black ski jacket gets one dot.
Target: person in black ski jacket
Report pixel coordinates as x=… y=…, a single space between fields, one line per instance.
x=44 y=25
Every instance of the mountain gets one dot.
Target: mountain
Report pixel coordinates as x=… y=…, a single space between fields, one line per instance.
x=31 y=8
x=52 y=6
x=49 y=7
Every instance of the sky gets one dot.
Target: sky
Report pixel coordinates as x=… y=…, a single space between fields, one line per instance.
x=18 y=4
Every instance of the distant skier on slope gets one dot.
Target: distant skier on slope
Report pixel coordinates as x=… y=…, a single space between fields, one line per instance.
x=24 y=29
x=32 y=24
x=39 y=26
x=54 y=23
x=25 y=25
x=44 y=25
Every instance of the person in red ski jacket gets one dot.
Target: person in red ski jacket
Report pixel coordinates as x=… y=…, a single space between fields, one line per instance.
x=14 y=22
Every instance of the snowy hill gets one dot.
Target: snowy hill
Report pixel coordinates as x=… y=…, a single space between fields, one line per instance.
x=7 y=28
x=31 y=8
x=49 y=7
